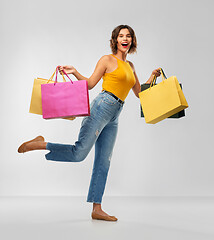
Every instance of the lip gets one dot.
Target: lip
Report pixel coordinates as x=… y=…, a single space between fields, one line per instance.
x=125 y=43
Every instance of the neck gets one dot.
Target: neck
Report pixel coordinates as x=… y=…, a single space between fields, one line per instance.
x=121 y=55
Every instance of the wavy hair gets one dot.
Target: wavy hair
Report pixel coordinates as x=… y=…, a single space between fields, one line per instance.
x=114 y=35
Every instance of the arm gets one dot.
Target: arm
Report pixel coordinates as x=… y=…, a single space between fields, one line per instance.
x=95 y=77
x=156 y=73
x=150 y=79
x=137 y=87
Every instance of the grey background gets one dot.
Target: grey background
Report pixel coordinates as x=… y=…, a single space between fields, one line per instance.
x=171 y=158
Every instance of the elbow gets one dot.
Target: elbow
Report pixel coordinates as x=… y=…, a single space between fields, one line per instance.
x=137 y=93
x=90 y=86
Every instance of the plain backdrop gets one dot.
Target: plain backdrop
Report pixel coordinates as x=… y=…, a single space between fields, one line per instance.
x=171 y=158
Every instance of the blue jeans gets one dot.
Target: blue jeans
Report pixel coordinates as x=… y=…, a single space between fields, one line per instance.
x=99 y=128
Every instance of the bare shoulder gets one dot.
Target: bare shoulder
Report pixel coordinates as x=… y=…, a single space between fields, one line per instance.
x=132 y=65
x=105 y=60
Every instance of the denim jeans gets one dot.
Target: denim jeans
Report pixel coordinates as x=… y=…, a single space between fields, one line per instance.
x=100 y=128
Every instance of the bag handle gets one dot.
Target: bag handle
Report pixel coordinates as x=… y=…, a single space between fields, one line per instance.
x=51 y=78
x=63 y=72
x=155 y=78
x=162 y=73
x=153 y=81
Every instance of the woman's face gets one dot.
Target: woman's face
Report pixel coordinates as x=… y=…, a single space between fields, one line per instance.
x=124 y=40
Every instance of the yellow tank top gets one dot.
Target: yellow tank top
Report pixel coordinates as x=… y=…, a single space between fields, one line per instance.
x=120 y=81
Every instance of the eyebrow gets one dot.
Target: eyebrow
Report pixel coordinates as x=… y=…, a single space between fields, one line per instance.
x=124 y=34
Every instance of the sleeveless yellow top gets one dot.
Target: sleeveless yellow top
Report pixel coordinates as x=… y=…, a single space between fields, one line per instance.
x=120 y=81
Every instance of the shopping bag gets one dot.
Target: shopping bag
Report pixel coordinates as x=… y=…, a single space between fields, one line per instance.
x=36 y=99
x=162 y=100
x=176 y=115
x=65 y=99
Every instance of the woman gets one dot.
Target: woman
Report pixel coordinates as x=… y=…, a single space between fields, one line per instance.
x=100 y=128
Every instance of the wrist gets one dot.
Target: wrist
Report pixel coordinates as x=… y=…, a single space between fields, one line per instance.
x=74 y=71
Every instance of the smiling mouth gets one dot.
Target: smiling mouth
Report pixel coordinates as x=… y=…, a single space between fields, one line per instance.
x=124 y=45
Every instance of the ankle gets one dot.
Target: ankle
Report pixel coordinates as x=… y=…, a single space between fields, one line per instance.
x=97 y=207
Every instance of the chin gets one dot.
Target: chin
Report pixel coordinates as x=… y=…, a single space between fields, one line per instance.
x=124 y=50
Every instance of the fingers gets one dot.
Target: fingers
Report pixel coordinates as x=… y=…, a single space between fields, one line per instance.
x=66 y=69
x=61 y=68
x=157 y=72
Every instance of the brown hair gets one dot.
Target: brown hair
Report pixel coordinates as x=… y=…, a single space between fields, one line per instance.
x=114 y=35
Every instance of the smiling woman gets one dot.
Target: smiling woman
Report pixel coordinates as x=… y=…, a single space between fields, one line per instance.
x=118 y=34
x=120 y=81
x=100 y=128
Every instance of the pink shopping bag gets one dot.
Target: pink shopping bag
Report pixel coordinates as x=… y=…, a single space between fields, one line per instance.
x=65 y=99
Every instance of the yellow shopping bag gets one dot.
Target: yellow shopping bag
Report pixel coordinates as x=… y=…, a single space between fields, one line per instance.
x=36 y=98
x=162 y=100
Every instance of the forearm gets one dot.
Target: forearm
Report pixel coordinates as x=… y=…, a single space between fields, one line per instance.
x=150 y=79
x=79 y=76
x=71 y=70
x=95 y=77
x=137 y=87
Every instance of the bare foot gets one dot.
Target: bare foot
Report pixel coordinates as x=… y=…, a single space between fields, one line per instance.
x=36 y=143
x=99 y=214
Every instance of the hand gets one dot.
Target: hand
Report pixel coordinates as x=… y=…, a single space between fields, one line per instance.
x=156 y=72
x=68 y=69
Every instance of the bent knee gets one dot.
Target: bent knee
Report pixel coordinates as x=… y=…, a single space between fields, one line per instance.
x=80 y=158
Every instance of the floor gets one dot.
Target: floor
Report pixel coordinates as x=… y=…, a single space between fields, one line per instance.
x=146 y=218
